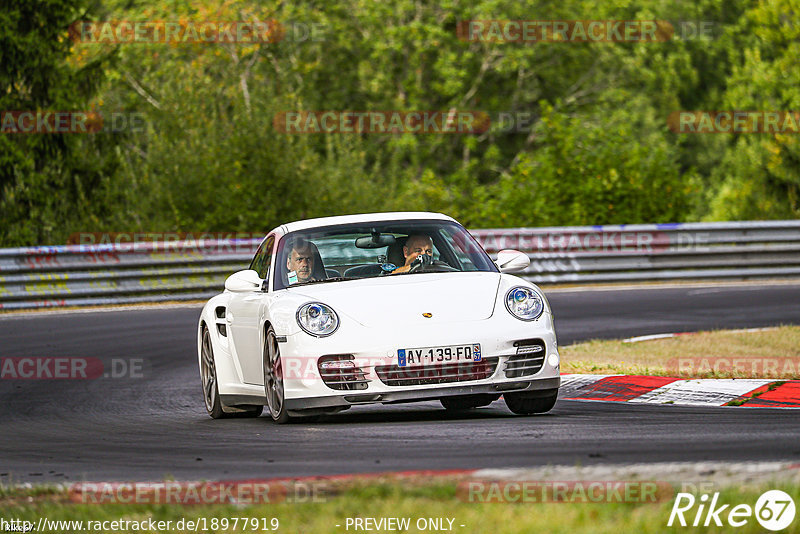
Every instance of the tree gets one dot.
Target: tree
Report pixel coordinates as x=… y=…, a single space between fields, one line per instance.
x=759 y=175
x=42 y=183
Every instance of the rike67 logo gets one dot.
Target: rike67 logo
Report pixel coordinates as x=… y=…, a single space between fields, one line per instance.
x=774 y=510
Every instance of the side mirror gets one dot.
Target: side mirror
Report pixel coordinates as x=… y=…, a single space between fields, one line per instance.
x=243 y=281
x=512 y=261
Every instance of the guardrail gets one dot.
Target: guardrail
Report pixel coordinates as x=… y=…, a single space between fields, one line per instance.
x=80 y=275
x=647 y=252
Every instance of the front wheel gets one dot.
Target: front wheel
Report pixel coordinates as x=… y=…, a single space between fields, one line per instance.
x=208 y=375
x=528 y=403
x=273 y=378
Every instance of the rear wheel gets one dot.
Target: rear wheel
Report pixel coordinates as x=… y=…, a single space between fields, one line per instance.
x=531 y=402
x=467 y=402
x=208 y=375
x=273 y=378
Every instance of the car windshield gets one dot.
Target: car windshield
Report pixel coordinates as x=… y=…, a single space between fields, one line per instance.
x=367 y=250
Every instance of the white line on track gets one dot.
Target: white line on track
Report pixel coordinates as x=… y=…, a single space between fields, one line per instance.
x=704 y=392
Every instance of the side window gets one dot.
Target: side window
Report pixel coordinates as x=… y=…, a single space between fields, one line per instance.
x=263 y=258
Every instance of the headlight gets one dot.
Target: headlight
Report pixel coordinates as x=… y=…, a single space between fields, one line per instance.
x=524 y=303
x=317 y=319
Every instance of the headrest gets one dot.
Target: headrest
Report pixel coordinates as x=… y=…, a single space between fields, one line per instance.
x=394 y=253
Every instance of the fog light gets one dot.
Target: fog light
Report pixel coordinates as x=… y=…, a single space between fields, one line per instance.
x=553 y=359
x=338 y=364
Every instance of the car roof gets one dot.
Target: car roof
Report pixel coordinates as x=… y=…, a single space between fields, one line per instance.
x=364 y=217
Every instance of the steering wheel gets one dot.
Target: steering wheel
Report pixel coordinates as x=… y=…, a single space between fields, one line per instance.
x=419 y=263
x=424 y=263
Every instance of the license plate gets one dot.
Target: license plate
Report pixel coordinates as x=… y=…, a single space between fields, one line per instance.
x=439 y=355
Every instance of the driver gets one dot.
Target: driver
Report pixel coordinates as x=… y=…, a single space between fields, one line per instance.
x=300 y=262
x=414 y=247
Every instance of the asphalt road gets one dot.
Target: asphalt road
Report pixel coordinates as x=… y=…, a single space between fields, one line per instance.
x=155 y=426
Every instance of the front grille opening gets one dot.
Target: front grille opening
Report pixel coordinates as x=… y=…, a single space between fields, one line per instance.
x=393 y=375
x=339 y=372
x=528 y=360
x=219 y=311
x=222 y=329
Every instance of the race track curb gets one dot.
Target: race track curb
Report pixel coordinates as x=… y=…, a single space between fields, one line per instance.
x=745 y=392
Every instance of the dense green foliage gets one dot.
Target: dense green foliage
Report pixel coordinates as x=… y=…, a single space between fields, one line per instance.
x=596 y=150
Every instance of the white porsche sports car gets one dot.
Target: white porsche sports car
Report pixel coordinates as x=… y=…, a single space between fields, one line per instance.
x=376 y=308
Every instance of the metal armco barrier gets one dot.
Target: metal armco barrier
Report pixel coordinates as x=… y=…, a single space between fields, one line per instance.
x=127 y=273
x=647 y=252
x=80 y=275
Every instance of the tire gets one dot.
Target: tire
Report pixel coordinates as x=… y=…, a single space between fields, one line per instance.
x=467 y=402
x=208 y=377
x=273 y=378
x=531 y=402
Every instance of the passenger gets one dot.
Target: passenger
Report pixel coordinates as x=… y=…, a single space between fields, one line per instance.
x=415 y=246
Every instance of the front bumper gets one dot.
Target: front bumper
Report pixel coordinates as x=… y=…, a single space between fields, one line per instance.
x=373 y=349
x=546 y=386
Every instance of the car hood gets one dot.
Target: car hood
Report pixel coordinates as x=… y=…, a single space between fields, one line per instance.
x=448 y=297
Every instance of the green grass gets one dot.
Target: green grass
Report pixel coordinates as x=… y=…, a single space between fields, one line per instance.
x=772 y=353
x=388 y=498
